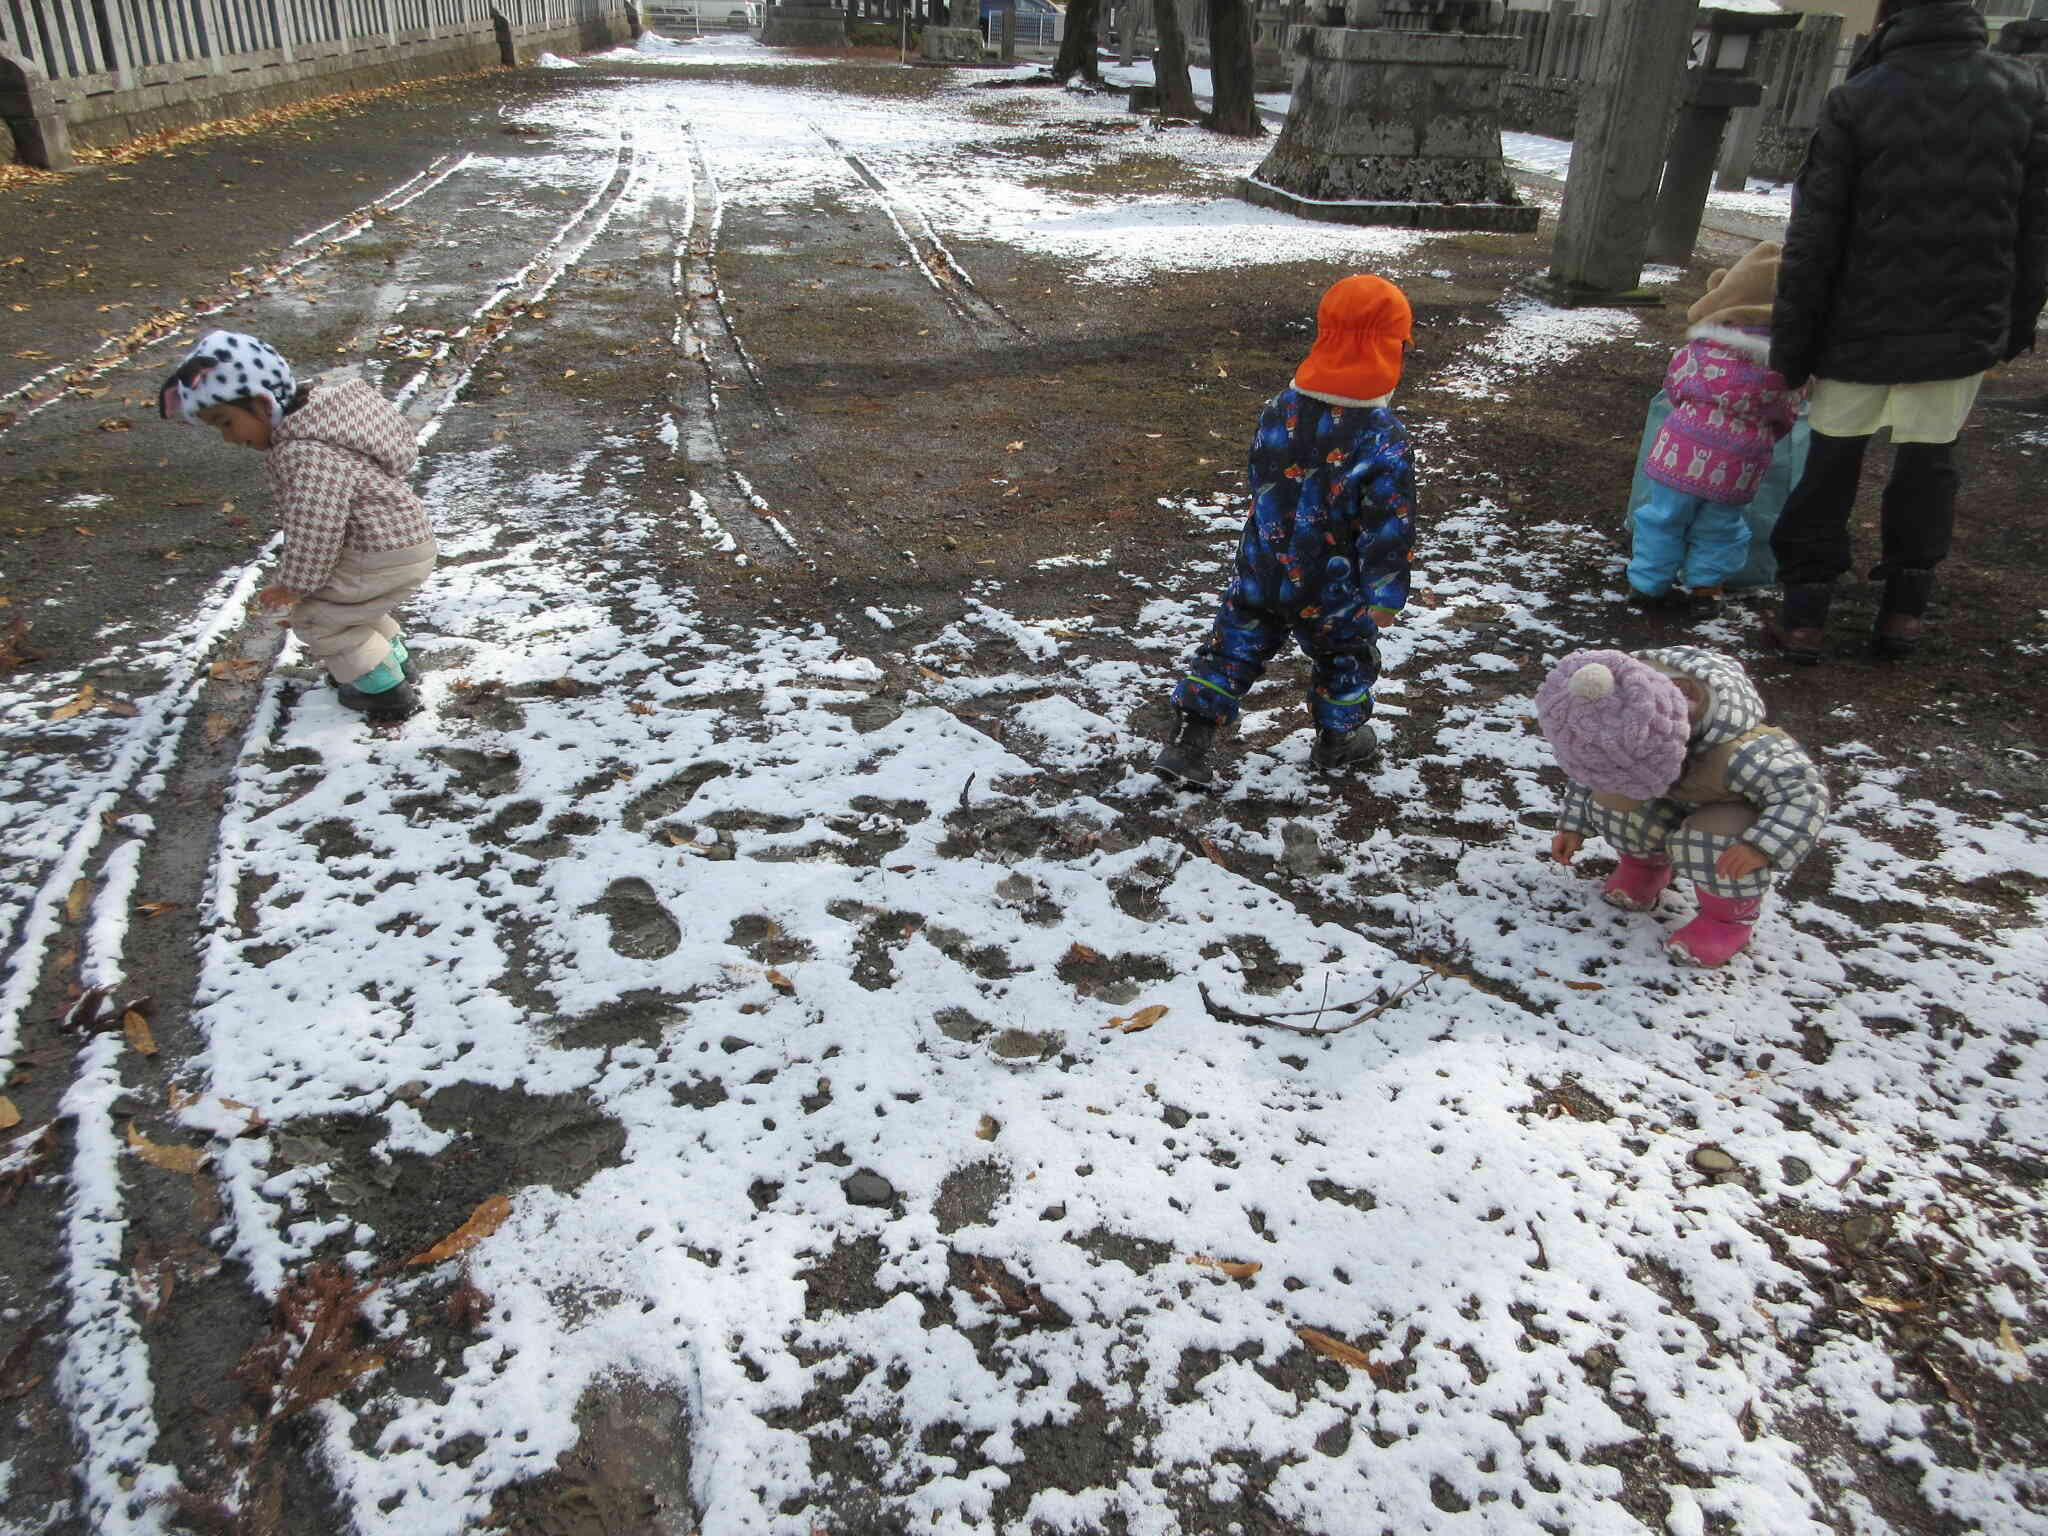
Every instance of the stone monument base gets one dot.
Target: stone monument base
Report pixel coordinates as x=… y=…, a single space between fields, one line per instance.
x=1392 y=127
x=1500 y=218
x=953 y=45
x=803 y=26
x=1561 y=294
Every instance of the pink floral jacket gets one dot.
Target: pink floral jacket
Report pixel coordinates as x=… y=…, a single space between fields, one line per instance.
x=1728 y=410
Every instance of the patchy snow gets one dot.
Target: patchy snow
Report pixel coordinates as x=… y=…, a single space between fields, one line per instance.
x=823 y=977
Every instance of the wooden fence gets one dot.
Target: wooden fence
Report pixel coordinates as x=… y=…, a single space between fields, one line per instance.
x=105 y=69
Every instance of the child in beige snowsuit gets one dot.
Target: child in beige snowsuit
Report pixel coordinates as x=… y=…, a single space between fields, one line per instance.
x=357 y=542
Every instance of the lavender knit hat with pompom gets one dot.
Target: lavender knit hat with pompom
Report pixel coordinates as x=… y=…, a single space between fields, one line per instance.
x=1618 y=725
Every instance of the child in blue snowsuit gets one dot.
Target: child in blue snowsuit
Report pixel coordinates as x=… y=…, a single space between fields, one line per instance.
x=1325 y=549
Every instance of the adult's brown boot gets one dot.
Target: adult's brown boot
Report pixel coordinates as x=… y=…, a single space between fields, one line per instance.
x=1798 y=628
x=1899 y=622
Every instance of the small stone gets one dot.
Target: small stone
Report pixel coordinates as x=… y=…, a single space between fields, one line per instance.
x=869 y=1188
x=1021 y=1045
x=1175 y=1116
x=1299 y=851
x=1713 y=1160
x=1795 y=1170
x=1862 y=1231
x=411 y=1092
x=733 y=1043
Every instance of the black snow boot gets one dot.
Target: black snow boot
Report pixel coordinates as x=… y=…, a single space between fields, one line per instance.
x=1341 y=751
x=385 y=708
x=1798 y=629
x=1899 y=613
x=1186 y=757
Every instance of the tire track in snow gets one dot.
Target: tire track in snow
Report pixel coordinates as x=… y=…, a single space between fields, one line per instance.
x=248 y=283
x=709 y=357
x=991 y=323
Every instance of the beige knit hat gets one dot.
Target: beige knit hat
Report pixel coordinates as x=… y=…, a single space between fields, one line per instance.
x=1741 y=294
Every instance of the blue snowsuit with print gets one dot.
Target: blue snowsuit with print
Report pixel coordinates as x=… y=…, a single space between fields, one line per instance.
x=1328 y=539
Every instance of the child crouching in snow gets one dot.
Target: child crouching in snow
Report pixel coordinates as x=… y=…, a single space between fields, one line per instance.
x=356 y=540
x=1324 y=552
x=1670 y=761
x=1728 y=411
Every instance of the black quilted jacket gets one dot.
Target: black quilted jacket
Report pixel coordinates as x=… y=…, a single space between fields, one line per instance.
x=1918 y=247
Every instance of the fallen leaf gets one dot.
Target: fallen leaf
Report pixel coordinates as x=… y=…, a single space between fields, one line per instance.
x=1013 y=447
x=78 y=900
x=635 y=707
x=1081 y=954
x=1237 y=1269
x=937 y=677
x=158 y=1155
x=988 y=1128
x=77 y=704
x=156 y=908
x=1144 y=1018
x=483 y=1221
x=1210 y=849
x=10 y=1117
x=1334 y=1348
x=1887 y=1304
x=219 y=727
x=136 y=1027
x=781 y=983
x=117 y=424
x=1586 y=986
x=236 y=668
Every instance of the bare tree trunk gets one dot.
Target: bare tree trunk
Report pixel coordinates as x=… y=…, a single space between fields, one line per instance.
x=1170 y=61
x=1077 y=48
x=1230 y=62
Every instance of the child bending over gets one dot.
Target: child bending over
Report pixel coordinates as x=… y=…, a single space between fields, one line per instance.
x=356 y=540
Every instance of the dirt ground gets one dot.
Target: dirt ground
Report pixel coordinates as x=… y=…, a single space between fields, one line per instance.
x=941 y=455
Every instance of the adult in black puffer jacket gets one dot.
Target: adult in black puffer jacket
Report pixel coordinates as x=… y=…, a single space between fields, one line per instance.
x=1917 y=257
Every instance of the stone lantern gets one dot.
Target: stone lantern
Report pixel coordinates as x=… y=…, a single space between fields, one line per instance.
x=1396 y=119
x=1718 y=80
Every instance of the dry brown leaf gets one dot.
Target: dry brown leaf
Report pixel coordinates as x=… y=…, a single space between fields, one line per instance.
x=77 y=704
x=2009 y=1341
x=78 y=900
x=236 y=667
x=1144 y=1018
x=483 y=1221
x=158 y=1155
x=1887 y=1304
x=988 y=1128
x=781 y=983
x=10 y=1117
x=636 y=707
x=1081 y=954
x=1586 y=986
x=156 y=908
x=218 y=728
x=1210 y=850
x=136 y=1028
x=1334 y=1348
x=177 y=1097
x=937 y=677
x=1237 y=1269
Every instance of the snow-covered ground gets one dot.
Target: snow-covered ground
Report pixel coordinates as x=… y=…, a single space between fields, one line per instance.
x=839 y=982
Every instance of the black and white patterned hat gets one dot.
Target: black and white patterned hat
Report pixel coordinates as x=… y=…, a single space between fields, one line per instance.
x=224 y=367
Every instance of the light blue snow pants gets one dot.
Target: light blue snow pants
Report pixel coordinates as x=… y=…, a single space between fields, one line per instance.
x=1684 y=537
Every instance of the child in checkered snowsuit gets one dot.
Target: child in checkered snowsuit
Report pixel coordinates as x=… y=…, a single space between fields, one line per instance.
x=1325 y=548
x=356 y=540
x=1670 y=760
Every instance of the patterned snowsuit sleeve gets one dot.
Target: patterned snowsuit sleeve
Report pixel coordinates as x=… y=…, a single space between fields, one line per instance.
x=1776 y=776
x=1574 y=812
x=311 y=486
x=1384 y=513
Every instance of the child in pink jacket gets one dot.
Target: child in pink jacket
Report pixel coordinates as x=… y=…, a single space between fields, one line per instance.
x=1728 y=411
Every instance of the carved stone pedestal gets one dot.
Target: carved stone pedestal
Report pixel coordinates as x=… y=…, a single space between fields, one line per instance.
x=1391 y=127
x=803 y=26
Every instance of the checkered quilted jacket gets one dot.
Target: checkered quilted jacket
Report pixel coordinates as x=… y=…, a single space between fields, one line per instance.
x=1734 y=756
x=337 y=468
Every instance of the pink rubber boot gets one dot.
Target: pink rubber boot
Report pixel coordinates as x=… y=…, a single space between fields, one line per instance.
x=1718 y=933
x=1636 y=883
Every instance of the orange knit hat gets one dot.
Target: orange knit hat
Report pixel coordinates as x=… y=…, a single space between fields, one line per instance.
x=1360 y=327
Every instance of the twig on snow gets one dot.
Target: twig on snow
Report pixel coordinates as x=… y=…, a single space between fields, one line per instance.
x=1379 y=1004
